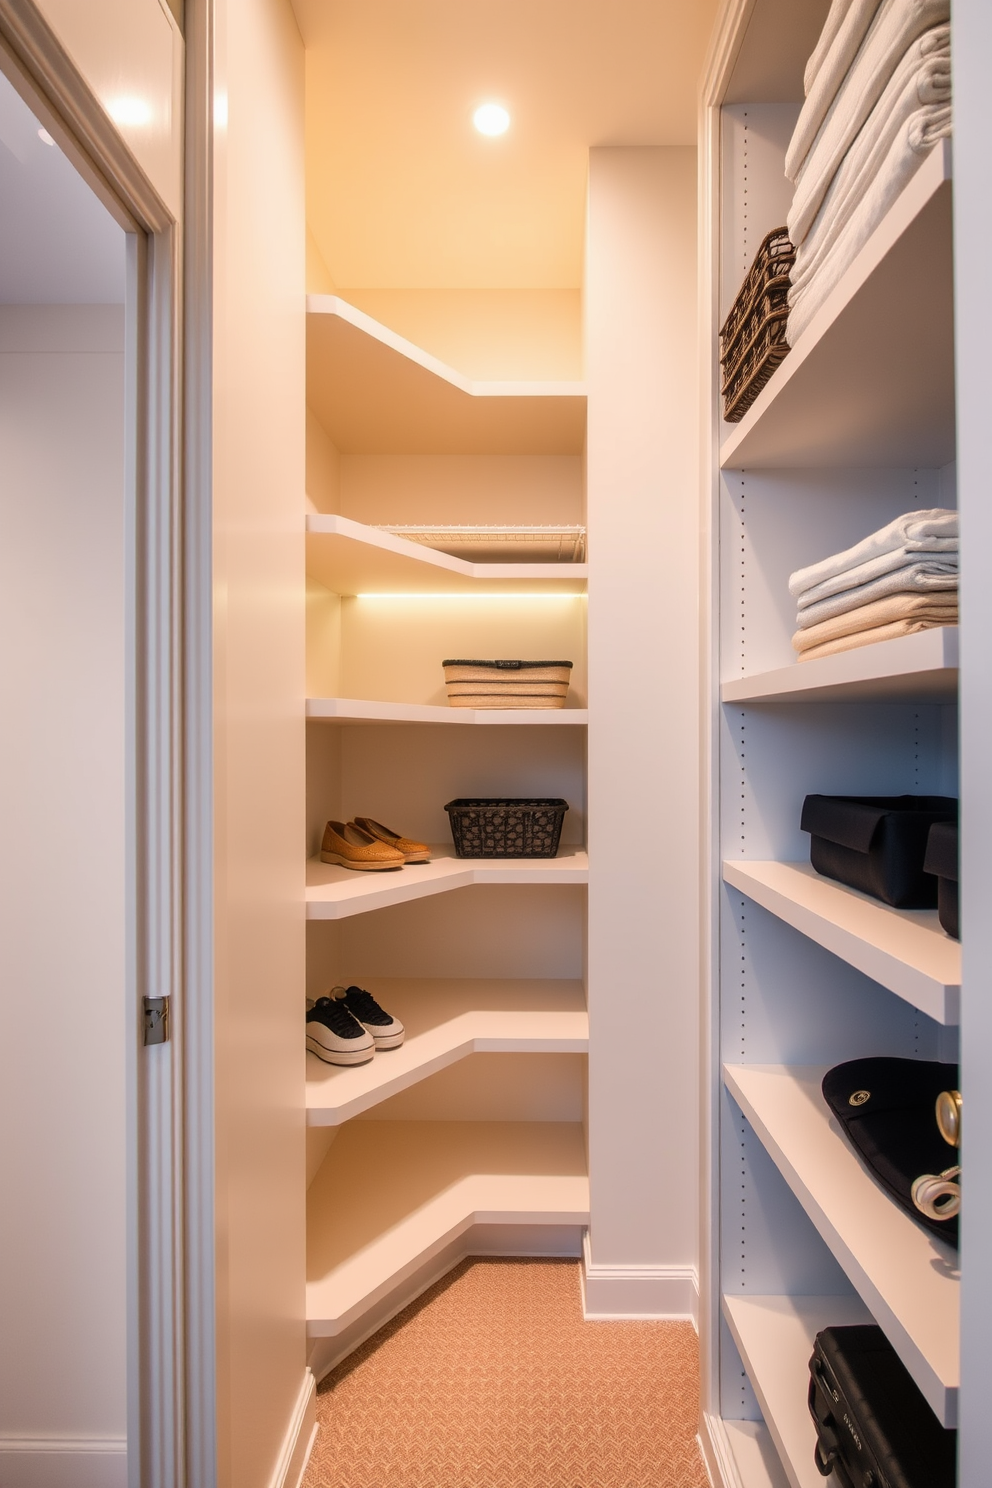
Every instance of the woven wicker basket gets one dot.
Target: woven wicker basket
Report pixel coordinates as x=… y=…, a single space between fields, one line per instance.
x=514 y=827
x=753 y=339
x=507 y=684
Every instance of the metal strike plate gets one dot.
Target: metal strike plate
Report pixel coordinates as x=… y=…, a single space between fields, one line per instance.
x=156 y=1020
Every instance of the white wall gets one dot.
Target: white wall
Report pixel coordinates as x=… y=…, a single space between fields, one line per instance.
x=62 y=1051
x=643 y=734
x=258 y=421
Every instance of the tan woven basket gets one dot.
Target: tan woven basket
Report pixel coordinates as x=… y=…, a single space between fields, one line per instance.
x=507 y=684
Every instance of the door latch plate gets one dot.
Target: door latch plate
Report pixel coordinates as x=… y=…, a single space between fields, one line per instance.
x=156 y=1020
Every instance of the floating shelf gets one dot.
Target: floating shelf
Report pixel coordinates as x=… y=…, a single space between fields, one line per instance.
x=335 y=893
x=903 y=949
x=906 y=1278
x=377 y=393
x=351 y=558
x=355 y=710
x=390 y=1195
x=774 y=1336
x=446 y=1021
x=871 y=381
x=921 y=668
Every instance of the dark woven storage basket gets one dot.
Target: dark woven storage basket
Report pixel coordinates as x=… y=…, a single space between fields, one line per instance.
x=753 y=340
x=520 y=827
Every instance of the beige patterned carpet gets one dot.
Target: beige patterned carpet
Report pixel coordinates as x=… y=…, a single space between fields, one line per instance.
x=492 y=1379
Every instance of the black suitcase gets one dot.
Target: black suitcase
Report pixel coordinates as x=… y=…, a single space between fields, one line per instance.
x=942 y=861
x=877 y=843
x=874 y=1429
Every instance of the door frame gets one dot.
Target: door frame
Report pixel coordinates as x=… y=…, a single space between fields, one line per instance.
x=167 y=1433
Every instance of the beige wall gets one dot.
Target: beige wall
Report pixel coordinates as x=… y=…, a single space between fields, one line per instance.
x=62 y=903
x=643 y=729
x=259 y=743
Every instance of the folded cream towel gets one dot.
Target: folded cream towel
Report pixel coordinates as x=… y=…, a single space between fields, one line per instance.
x=937 y=524
x=869 y=637
x=941 y=608
x=845 y=27
x=912 y=555
x=914 y=580
x=845 y=160
x=891 y=31
x=814 y=280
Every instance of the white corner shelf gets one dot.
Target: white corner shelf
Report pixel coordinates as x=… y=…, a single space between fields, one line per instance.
x=756 y=1461
x=903 y=949
x=871 y=380
x=334 y=893
x=377 y=393
x=774 y=1337
x=352 y=558
x=446 y=1021
x=910 y=669
x=391 y=1195
x=907 y=1279
x=358 y=710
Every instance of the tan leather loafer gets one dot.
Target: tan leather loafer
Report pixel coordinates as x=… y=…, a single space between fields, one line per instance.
x=413 y=852
x=351 y=847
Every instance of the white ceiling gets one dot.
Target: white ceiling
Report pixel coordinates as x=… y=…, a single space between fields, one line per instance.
x=401 y=190
x=58 y=243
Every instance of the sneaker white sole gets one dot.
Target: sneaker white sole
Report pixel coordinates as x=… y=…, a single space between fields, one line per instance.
x=328 y=857
x=340 y=1056
x=385 y=1040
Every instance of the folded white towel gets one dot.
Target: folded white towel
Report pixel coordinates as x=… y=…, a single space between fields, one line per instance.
x=848 y=19
x=893 y=29
x=940 y=562
x=924 y=525
x=916 y=579
x=822 y=262
x=844 y=160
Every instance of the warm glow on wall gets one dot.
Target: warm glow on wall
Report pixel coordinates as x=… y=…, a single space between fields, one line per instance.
x=471 y=597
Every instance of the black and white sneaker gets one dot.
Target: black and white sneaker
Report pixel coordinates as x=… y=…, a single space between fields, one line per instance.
x=335 y=1036
x=388 y=1032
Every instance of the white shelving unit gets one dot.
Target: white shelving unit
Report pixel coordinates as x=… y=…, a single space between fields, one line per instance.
x=335 y=893
x=907 y=1278
x=904 y=950
x=774 y=1336
x=855 y=426
x=358 y=710
x=395 y=1202
x=376 y=393
x=350 y=557
x=391 y=1197
x=446 y=1021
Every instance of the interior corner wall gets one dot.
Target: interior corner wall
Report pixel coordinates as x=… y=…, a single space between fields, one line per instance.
x=643 y=729
x=259 y=805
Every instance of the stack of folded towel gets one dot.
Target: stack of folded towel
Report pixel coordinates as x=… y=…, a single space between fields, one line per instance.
x=901 y=579
x=878 y=98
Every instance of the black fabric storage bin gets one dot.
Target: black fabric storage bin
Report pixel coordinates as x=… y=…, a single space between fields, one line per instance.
x=942 y=861
x=877 y=843
x=874 y=1427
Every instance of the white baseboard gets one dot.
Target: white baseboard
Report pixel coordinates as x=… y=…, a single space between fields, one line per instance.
x=56 y=1461
x=670 y=1292
x=718 y=1454
x=299 y=1439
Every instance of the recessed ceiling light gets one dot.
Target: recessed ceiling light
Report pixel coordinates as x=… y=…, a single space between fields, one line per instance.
x=491 y=118
x=45 y=137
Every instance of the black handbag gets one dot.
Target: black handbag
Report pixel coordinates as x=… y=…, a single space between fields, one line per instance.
x=887 y=1108
x=874 y=1428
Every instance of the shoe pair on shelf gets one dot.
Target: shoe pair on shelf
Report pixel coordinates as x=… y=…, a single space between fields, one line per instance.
x=348 y=1027
x=367 y=844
